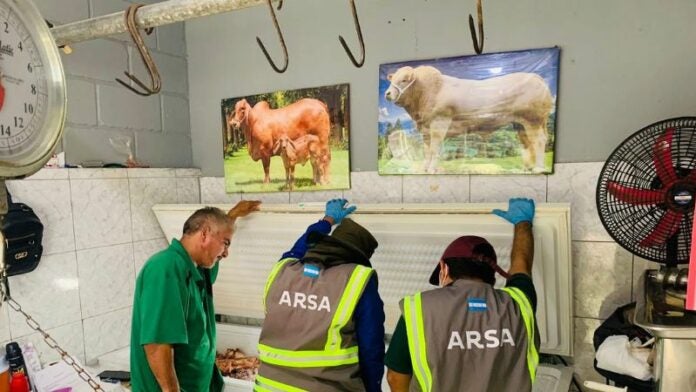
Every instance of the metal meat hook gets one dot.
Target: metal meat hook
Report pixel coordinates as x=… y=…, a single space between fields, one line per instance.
x=282 y=41
x=360 y=39
x=144 y=54
x=478 y=42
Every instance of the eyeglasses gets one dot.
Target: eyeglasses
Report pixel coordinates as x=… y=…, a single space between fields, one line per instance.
x=225 y=242
x=216 y=235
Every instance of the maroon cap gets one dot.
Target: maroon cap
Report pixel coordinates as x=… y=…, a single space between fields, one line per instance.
x=469 y=248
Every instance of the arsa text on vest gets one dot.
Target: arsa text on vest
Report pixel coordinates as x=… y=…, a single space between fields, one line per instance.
x=474 y=340
x=305 y=301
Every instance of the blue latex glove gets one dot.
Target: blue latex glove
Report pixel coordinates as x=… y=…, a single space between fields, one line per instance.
x=519 y=210
x=337 y=210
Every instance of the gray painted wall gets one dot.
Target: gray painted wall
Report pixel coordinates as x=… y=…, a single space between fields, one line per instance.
x=100 y=108
x=624 y=63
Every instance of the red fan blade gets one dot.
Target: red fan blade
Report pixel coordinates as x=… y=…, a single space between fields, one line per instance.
x=635 y=195
x=691 y=178
x=666 y=228
x=662 y=158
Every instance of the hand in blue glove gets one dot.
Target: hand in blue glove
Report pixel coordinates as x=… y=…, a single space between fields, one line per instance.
x=336 y=209
x=519 y=210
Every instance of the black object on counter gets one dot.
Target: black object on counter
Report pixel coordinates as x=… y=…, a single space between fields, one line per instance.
x=114 y=376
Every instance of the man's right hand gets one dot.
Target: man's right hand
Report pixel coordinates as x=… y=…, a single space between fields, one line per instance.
x=243 y=208
x=336 y=210
x=519 y=210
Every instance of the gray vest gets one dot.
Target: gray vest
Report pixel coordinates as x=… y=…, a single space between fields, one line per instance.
x=475 y=339
x=308 y=337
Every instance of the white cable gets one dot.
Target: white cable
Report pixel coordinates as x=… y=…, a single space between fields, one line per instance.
x=595 y=386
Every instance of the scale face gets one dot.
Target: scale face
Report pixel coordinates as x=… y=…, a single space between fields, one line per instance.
x=32 y=90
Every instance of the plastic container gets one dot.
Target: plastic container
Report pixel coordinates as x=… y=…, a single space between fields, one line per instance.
x=16 y=362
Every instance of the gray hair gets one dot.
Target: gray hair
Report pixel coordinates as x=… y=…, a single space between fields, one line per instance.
x=207 y=216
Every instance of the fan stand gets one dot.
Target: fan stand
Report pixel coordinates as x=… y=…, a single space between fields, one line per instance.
x=660 y=310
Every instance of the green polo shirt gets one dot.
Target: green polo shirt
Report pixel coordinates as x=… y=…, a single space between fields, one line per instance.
x=173 y=304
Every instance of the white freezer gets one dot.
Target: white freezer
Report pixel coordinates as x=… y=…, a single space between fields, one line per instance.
x=240 y=337
x=411 y=240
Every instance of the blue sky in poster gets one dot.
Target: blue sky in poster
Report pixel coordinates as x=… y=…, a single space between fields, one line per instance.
x=544 y=62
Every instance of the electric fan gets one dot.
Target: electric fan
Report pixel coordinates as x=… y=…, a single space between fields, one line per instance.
x=645 y=193
x=645 y=200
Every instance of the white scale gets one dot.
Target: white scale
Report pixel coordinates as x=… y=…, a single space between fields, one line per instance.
x=32 y=95
x=32 y=107
x=32 y=90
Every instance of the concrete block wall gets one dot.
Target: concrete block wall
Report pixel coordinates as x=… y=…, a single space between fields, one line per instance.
x=99 y=108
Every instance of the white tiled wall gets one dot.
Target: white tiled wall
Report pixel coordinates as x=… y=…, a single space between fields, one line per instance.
x=604 y=274
x=99 y=230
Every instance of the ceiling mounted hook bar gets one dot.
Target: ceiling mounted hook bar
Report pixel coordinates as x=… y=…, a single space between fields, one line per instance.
x=144 y=54
x=356 y=21
x=280 y=37
x=478 y=42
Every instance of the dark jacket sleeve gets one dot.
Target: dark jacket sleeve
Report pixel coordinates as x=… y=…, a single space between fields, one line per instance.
x=369 y=321
x=301 y=245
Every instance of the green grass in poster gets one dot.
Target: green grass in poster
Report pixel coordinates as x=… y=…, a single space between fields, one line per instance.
x=507 y=165
x=244 y=175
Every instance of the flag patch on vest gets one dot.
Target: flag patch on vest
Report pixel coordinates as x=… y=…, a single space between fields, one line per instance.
x=311 y=271
x=477 y=304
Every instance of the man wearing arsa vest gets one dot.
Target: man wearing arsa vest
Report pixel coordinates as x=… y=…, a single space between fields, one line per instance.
x=324 y=324
x=466 y=335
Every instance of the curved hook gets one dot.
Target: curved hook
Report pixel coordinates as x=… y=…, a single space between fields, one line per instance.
x=360 y=39
x=144 y=54
x=282 y=41
x=478 y=42
x=280 y=5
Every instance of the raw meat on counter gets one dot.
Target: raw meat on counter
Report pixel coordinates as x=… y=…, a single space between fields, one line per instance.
x=234 y=363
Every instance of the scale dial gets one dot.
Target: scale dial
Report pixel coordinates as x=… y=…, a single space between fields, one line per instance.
x=32 y=90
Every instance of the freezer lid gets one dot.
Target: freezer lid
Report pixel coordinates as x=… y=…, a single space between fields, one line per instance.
x=411 y=240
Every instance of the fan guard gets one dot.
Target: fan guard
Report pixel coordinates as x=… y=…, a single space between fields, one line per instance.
x=647 y=189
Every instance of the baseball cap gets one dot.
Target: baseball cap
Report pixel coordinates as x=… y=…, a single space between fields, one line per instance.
x=469 y=248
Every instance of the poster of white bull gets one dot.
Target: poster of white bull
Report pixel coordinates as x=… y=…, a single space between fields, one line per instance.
x=482 y=114
x=290 y=140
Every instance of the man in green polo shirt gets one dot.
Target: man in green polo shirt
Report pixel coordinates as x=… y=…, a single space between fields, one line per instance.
x=173 y=326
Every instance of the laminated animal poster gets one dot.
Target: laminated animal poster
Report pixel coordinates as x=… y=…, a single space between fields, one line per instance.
x=291 y=140
x=481 y=114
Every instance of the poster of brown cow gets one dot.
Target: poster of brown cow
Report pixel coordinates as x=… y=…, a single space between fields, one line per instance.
x=483 y=114
x=289 y=140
